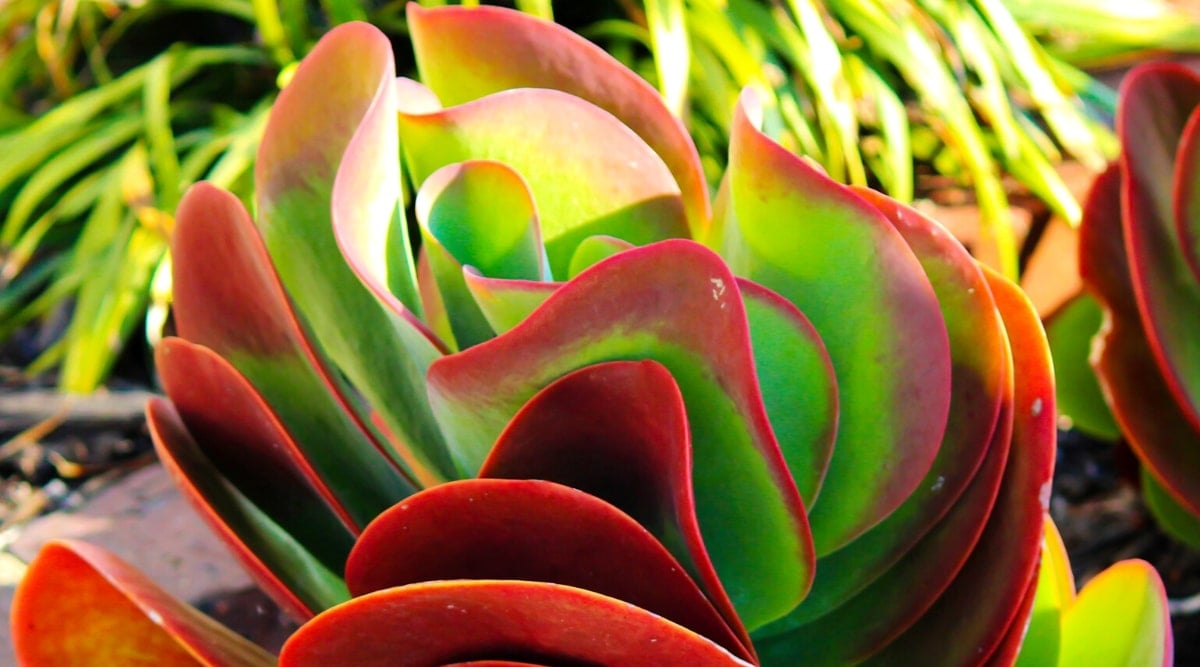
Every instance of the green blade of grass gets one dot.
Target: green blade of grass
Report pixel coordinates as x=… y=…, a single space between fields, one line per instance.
x=667 y=24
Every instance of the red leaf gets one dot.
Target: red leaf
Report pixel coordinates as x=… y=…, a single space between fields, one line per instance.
x=424 y=625
x=529 y=530
x=80 y=605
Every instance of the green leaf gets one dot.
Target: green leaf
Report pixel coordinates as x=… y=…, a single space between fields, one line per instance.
x=676 y=303
x=349 y=73
x=588 y=173
x=295 y=579
x=1175 y=519
x=791 y=229
x=478 y=214
x=1070 y=331
x=464 y=54
x=1120 y=619
x=227 y=298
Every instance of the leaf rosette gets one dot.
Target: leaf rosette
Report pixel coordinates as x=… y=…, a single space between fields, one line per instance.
x=593 y=416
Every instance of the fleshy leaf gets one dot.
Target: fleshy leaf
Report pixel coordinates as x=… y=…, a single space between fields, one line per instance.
x=593 y=249
x=982 y=385
x=1187 y=193
x=1156 y=104
x=530 y=530
x=312 y=123
x=366 y=206
x=1140 y=399
x=791 y=229
x=228 y=299
x=479 y=214
x=1055 y=593
x=81 y=605
x=895 y=599
x=1070 y=330
x=798 y=385
x=247 y=445
x=506 y=303
x=989 y=594
x=588 y=173
x=617 y=431
x=1174 y=519
x=297 y=580
x=1009 y=648
x=464 y=54
x=677 y=303
x=1120 y=619
x=456 y=621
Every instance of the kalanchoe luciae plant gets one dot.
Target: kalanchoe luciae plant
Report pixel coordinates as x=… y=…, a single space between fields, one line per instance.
x=1140 y=257
x=594 y=420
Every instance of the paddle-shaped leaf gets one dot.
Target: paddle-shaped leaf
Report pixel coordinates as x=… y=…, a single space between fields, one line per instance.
x=228 y=299
x=791 y=229
x=479 y=214
x=80 y=605
x=531 y=530
x=618 y=431
x=1187 y=193
x=982 y=384
x=349 y=73
x=297 y=580
x=1055 y=592
x=446 y=622
x=1141 y=401
x=971 y=619
x=588 y=173
x=467 y=53
x=1155 y=105
x=1120 y=619
x=247 y=445
x=674 y=302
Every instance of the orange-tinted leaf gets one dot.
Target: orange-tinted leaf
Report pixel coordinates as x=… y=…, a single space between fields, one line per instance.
x=81 y=605
x=456 y=621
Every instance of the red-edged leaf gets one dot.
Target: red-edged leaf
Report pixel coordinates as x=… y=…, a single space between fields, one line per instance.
x=798 y=385
x=228 y=299
x=81 y=605
x=791 y=229
x=460 y=621
x=971 y=618
x=896 y=598
x=1006 y=653
x=1187 y=193
x=618 y=431
x=530 y=530
x=466 y=53
x=1121 y=617
x=297 y=580
x=479 y=214
x=588 y=173
x=677 y=303
x=506 y=303
x=1141 y=401
x=240 y=436
x=981 y=383
x=337 y=99
x=1156 y=102
x=367 y=211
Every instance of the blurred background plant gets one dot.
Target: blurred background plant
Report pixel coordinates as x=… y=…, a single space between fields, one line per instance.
x=110 y=109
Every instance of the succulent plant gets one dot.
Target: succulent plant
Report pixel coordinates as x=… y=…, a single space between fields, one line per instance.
x=1138 y=257
x=595 y=418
